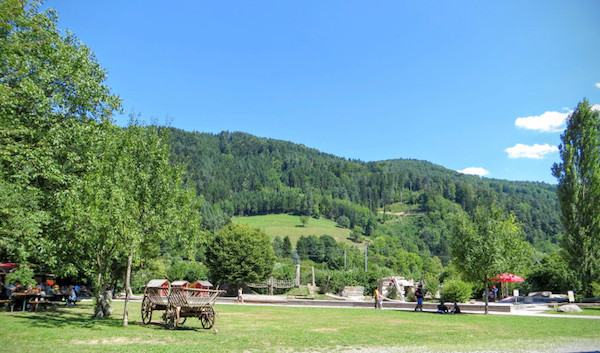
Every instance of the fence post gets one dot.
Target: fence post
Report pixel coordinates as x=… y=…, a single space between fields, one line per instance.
x=271 y=285
x=313 y=275
x=298 y=275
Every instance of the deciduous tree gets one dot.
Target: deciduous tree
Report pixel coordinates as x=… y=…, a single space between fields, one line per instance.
x=579 y=192
x=486 y=244
x=238 y=254
x=53 y=106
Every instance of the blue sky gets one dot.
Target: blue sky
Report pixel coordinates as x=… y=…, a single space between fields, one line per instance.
x=463 y=84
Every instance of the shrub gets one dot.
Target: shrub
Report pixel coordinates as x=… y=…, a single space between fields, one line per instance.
x=596 y=289
x=456 y=291
x=343 y=221
x=187 y=270
x=23 y=274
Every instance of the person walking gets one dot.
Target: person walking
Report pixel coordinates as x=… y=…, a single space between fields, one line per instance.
x=240 y=298
x=419 y=295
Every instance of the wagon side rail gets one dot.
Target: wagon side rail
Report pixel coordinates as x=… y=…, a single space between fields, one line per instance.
x=158 y=295
x=193 y=297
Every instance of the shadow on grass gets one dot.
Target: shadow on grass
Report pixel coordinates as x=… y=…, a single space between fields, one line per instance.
x=80 y=317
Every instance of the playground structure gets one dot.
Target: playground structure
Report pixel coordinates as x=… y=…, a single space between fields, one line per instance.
x=401 y=285
x=179 y=302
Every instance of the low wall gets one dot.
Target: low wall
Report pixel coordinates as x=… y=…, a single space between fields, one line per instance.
x=432 y=307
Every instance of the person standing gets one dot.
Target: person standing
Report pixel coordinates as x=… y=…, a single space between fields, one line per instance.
x=240 y=298
x=378 y=299
x=419 y=295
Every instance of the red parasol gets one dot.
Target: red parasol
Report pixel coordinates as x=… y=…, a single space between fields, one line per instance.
x=507 y=277
x=9 y=265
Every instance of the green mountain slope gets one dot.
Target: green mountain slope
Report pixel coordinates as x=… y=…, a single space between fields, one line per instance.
x=240 y=174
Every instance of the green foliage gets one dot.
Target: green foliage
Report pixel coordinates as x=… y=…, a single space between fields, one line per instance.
x=343 y=221
x=286 y=247
x=487 y=244
x=187 y=270
x=284 y=269
x=278 y=246
x=150 y=269
x=129 y=203
x=304 y=220
x=23 y=274
x=553 y=274
x=579 y=192
x=356 y=234
x=53 y=107
x=247 y=175
x=334 y=281
x=239 y=254
x=595 y=289
x=431 y=286
x=323 y=249
x=455 y=290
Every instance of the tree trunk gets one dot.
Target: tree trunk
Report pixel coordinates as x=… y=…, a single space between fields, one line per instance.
x=97 y=292
x=127 y=289
x=486 y=296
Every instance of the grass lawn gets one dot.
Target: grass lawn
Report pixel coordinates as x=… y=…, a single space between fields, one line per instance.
x=249 y=328
x=285 y=224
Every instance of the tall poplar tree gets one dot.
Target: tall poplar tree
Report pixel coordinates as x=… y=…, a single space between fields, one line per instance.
x=579 y=193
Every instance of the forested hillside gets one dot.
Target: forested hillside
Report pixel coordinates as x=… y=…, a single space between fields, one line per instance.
x=241 y=174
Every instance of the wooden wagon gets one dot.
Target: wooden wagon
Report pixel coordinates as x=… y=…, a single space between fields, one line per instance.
x=179 y=303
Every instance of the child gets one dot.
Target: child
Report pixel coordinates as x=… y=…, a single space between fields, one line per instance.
x=239 y=297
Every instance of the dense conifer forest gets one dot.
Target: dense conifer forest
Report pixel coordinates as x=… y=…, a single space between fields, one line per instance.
x=404 y=204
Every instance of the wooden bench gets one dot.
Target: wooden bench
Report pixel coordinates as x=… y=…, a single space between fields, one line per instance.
x=45 y=304
x=10 y=303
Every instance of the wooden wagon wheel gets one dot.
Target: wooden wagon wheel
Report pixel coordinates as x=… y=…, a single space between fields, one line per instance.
x=146 y=310
x=207 y=318
x=172 y=317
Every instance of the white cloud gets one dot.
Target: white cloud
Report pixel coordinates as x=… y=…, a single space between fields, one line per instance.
x=596 y=107
x=474 y=171
x=525 y=151
x=598 y=84
x=547 y=122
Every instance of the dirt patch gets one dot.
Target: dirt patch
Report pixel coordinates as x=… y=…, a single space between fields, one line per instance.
x=324 y=329
x=404 y=213
x=117 y=340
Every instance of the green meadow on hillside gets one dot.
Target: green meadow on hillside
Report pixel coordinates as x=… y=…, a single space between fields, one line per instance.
x=285 y=224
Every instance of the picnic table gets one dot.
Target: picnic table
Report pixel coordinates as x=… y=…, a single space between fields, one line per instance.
x=38 y=300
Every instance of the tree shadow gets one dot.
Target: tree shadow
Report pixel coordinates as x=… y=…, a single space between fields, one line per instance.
x=64 y=317
x=81 y=318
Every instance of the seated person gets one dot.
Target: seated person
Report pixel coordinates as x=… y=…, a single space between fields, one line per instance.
x=50 y=291
x=442 y=308
x=5 y=294
x=456 y=309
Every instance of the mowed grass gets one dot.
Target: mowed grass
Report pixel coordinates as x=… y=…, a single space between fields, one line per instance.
x=289 y=225
x=247 y=328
